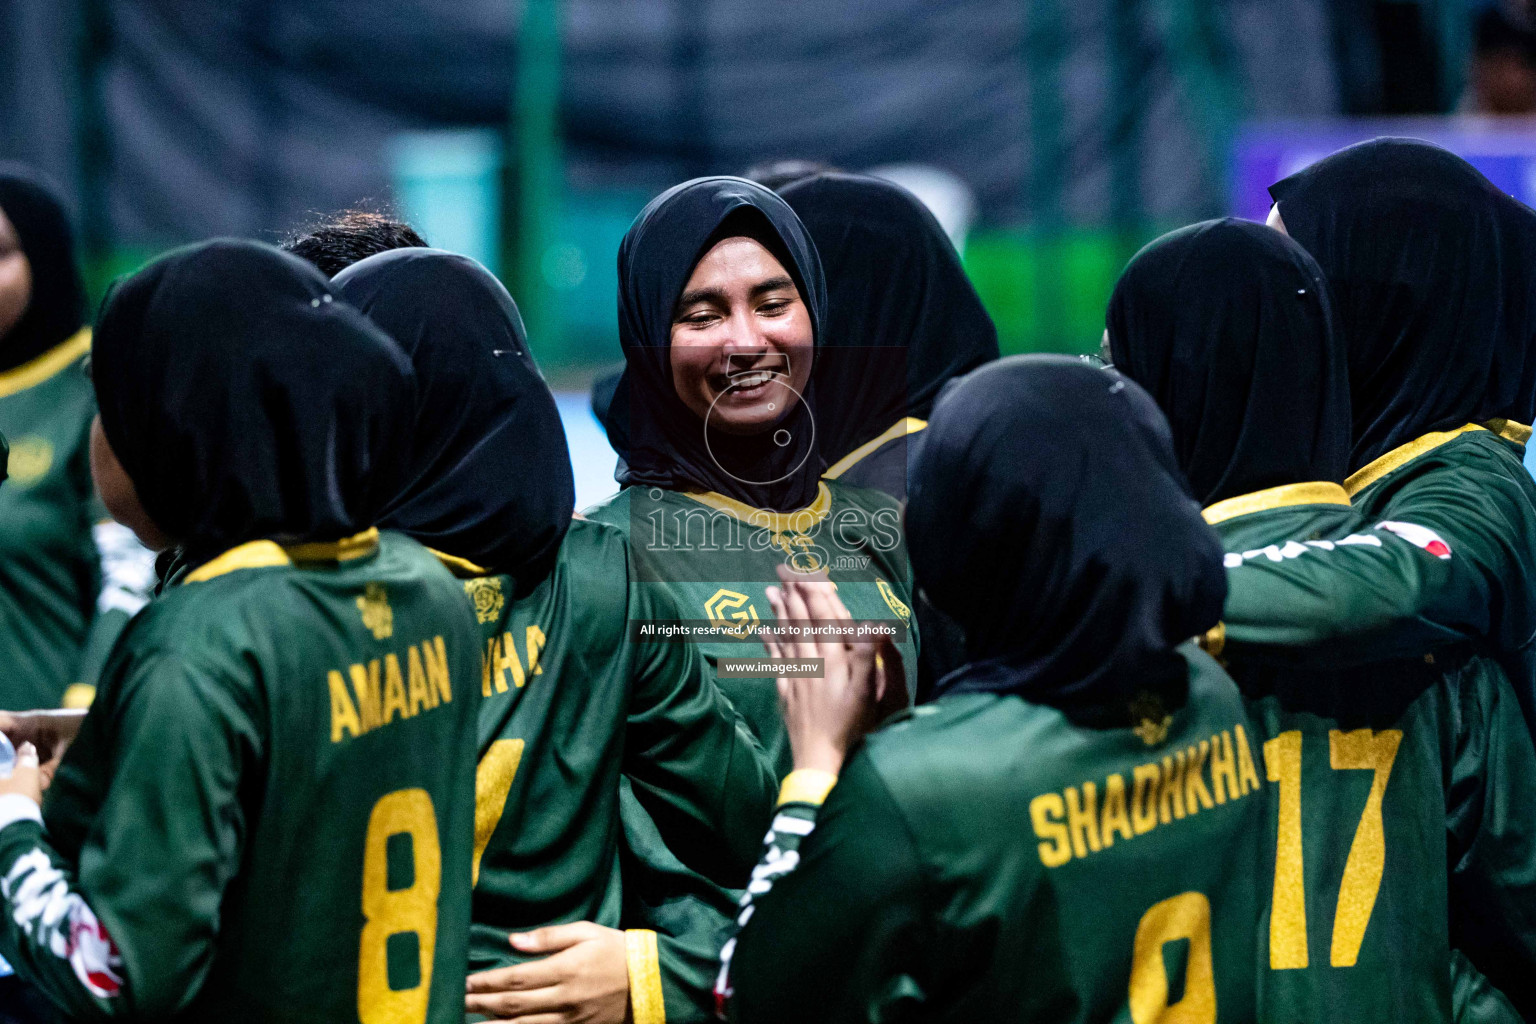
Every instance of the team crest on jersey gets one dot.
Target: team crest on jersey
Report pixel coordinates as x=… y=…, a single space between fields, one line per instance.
x=1151 y=717
x=897 y=605
x=732 y=612
x=1419 y=537
x=485 y=594
x=31 y=458
x=378 y=617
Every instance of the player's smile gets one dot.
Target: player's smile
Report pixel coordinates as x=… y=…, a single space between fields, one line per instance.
x=753 y=380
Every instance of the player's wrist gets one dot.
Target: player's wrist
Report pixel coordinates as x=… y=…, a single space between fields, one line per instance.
x=17 y=807
x=821 y=756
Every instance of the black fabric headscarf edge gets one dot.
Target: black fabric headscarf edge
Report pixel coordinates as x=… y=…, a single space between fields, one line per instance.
x=57 y=308
x=1428 y=264
x=245 y=403
x=489 y=474
x=903 y=318
x=1228 y=326
x=1047 y=516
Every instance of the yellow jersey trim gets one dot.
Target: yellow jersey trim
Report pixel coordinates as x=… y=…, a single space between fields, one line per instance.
x=460 y=567
x=1400 y=456
x=78 y=696
x=257 y=554
x=1509 y=430
x=901 y=428
x=806 y=786
x=265 y=554
x=359 y=545
x=1214 y=640
x=1316 y=492
x=778 y=522
x=647 y=1002
x=49 y=364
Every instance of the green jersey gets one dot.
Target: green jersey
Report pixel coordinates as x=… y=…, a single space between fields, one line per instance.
x=1443 y=550
x=56 y=620
x=269 y=813
x=1087 y=875
x=1404 y=797
x=717 y=557
x=569 y=704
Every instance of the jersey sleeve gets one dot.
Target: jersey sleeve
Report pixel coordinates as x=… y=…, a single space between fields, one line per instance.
x=690 y=916
x=1491 y=823
x=694 y=765
x=835 y=922
x=1474 y=1000
x=127 y=930
x=1445 y=561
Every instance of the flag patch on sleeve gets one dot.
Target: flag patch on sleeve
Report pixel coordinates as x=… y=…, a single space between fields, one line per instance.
x=1419 y=537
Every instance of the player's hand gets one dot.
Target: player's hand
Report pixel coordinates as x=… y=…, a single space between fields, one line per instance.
x=583 y=979
x=891 y=693
x=27 y=778
x=51 y=732
x=824 y=717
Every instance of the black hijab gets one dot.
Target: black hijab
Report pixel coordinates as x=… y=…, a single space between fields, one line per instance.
x=245 y=404
x=1227 y=325
x=57 y=308
x=489 y=475
x=1047 y=516
x=610 y=406
x=902 y=317
x=1430 y=268
x=668 y=446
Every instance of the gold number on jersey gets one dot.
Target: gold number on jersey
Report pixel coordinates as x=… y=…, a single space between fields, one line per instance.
x=1374 y=752
x=1185 y=916
x=388 y=912
x=1288 y=900
x=493 y=781
x=1359 y=749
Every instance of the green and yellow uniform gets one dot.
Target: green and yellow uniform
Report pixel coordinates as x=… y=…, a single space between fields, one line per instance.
x=57 y=621
x=712 y=559
x=1443 y=550
x=1400 y=790
x=717 y=557
x=269 y=812
x=1087 y=875
x=569 y=706
x=881 y=462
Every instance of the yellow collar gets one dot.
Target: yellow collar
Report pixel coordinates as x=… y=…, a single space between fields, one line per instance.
x=1397 y=457
x=799 y=521
x=35 y=371
x=1509 y=430
x=902 y=427
x=463 y=568
x=263 y=554
x=1317 y=492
